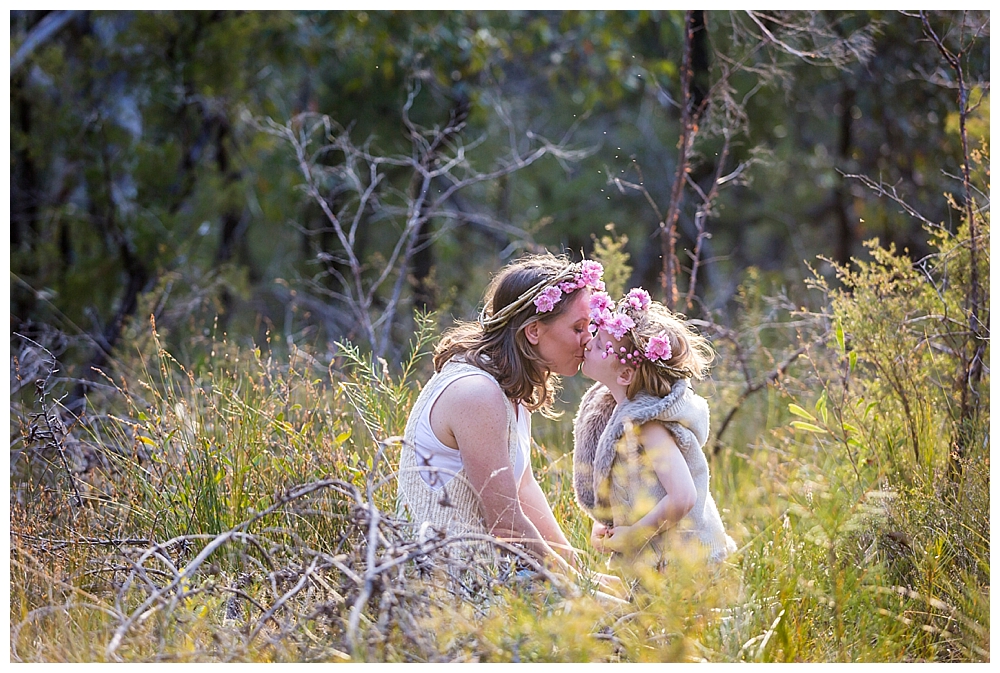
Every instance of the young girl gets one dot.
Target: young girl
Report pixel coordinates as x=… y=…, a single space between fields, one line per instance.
x=638 y=464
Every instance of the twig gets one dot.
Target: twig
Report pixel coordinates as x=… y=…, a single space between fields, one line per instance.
x=668 y=226
x=753 y=386
x=281 y=601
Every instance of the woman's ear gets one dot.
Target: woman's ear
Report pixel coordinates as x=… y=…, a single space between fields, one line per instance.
x=531 y=332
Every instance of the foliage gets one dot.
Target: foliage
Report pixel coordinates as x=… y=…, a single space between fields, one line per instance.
x=840 y=558
x=209 y=497
x=912 y=467
x=134 y=167
x=610 y=251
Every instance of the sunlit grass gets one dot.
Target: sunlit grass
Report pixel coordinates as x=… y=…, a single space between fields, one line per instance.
x=835 y=563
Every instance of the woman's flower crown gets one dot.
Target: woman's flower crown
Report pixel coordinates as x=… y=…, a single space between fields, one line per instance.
x=548 y=292
x=622 y=321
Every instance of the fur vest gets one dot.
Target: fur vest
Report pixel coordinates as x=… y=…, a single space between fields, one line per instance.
x=609 y=477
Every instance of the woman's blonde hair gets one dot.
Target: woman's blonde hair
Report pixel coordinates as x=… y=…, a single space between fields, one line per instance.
x=691 y=353
x=504 y=350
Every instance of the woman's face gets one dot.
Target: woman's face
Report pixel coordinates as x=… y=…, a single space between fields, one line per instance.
x=561 y=342
x=598 y=367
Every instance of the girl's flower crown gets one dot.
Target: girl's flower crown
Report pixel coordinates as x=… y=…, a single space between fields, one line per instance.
x=623 y=321
x=548 y=292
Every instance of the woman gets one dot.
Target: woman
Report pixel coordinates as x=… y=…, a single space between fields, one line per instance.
x=465 y=464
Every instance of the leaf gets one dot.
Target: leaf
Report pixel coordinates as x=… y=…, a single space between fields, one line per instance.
x=801 y=425
x=799 y=411
x=852 y=361
x=821 y=402
x=840 y=337
x=821 y=406
x=147 y=440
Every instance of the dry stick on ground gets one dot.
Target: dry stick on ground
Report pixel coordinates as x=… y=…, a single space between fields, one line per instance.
x=402 y=553
x=167 y=596
x=53 y=544
x=269 y=614
x=216 y=542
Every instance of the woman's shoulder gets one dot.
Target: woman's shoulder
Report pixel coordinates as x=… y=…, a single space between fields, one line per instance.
x=470 y=386
x=474 y=399
x=459 y=368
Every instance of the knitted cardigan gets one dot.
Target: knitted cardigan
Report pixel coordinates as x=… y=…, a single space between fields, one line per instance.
x=456 y=507
x=608 y=475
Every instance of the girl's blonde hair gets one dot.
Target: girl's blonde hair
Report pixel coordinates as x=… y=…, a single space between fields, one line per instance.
x=691 y=353
x=505 y=351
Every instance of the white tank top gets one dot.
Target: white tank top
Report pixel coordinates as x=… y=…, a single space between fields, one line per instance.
x=447 y=461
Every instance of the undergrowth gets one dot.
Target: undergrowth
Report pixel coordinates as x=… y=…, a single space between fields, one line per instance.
x=240 y=506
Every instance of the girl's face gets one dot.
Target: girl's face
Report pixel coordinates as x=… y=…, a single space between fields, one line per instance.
x=601 y=362
x=561 y=342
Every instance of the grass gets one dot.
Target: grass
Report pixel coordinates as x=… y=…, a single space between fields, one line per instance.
x=241 y=510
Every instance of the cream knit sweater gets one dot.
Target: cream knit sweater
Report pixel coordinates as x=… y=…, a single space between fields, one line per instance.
x=455 y=508
x=610 y=479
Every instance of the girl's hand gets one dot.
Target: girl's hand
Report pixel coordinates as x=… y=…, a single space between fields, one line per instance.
x=617 y=539
x=597 y=535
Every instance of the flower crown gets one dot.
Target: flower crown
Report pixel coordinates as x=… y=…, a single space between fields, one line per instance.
x=622 y=321
x=548 y=292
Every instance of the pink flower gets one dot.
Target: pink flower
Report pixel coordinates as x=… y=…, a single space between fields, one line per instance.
x=590 y=273
x=568 y=287
x=638 y=299
x=600 y=309
x=617 y=325
x=547 y=299
x=658 y=348
x=600 y=301
x=600 y=318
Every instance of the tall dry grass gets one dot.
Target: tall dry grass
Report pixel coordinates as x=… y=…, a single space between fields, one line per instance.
x=239 y=507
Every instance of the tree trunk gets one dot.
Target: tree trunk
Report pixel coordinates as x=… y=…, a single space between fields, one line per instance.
x=841 y=202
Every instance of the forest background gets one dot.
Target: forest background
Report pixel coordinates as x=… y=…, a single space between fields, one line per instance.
x=235 y=235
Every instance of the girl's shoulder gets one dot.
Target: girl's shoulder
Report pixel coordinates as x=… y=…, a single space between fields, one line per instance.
x=655 y=431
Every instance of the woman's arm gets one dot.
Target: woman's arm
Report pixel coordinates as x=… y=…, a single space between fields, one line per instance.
x=470 y=414
x=672 y=471
x=536 y=507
